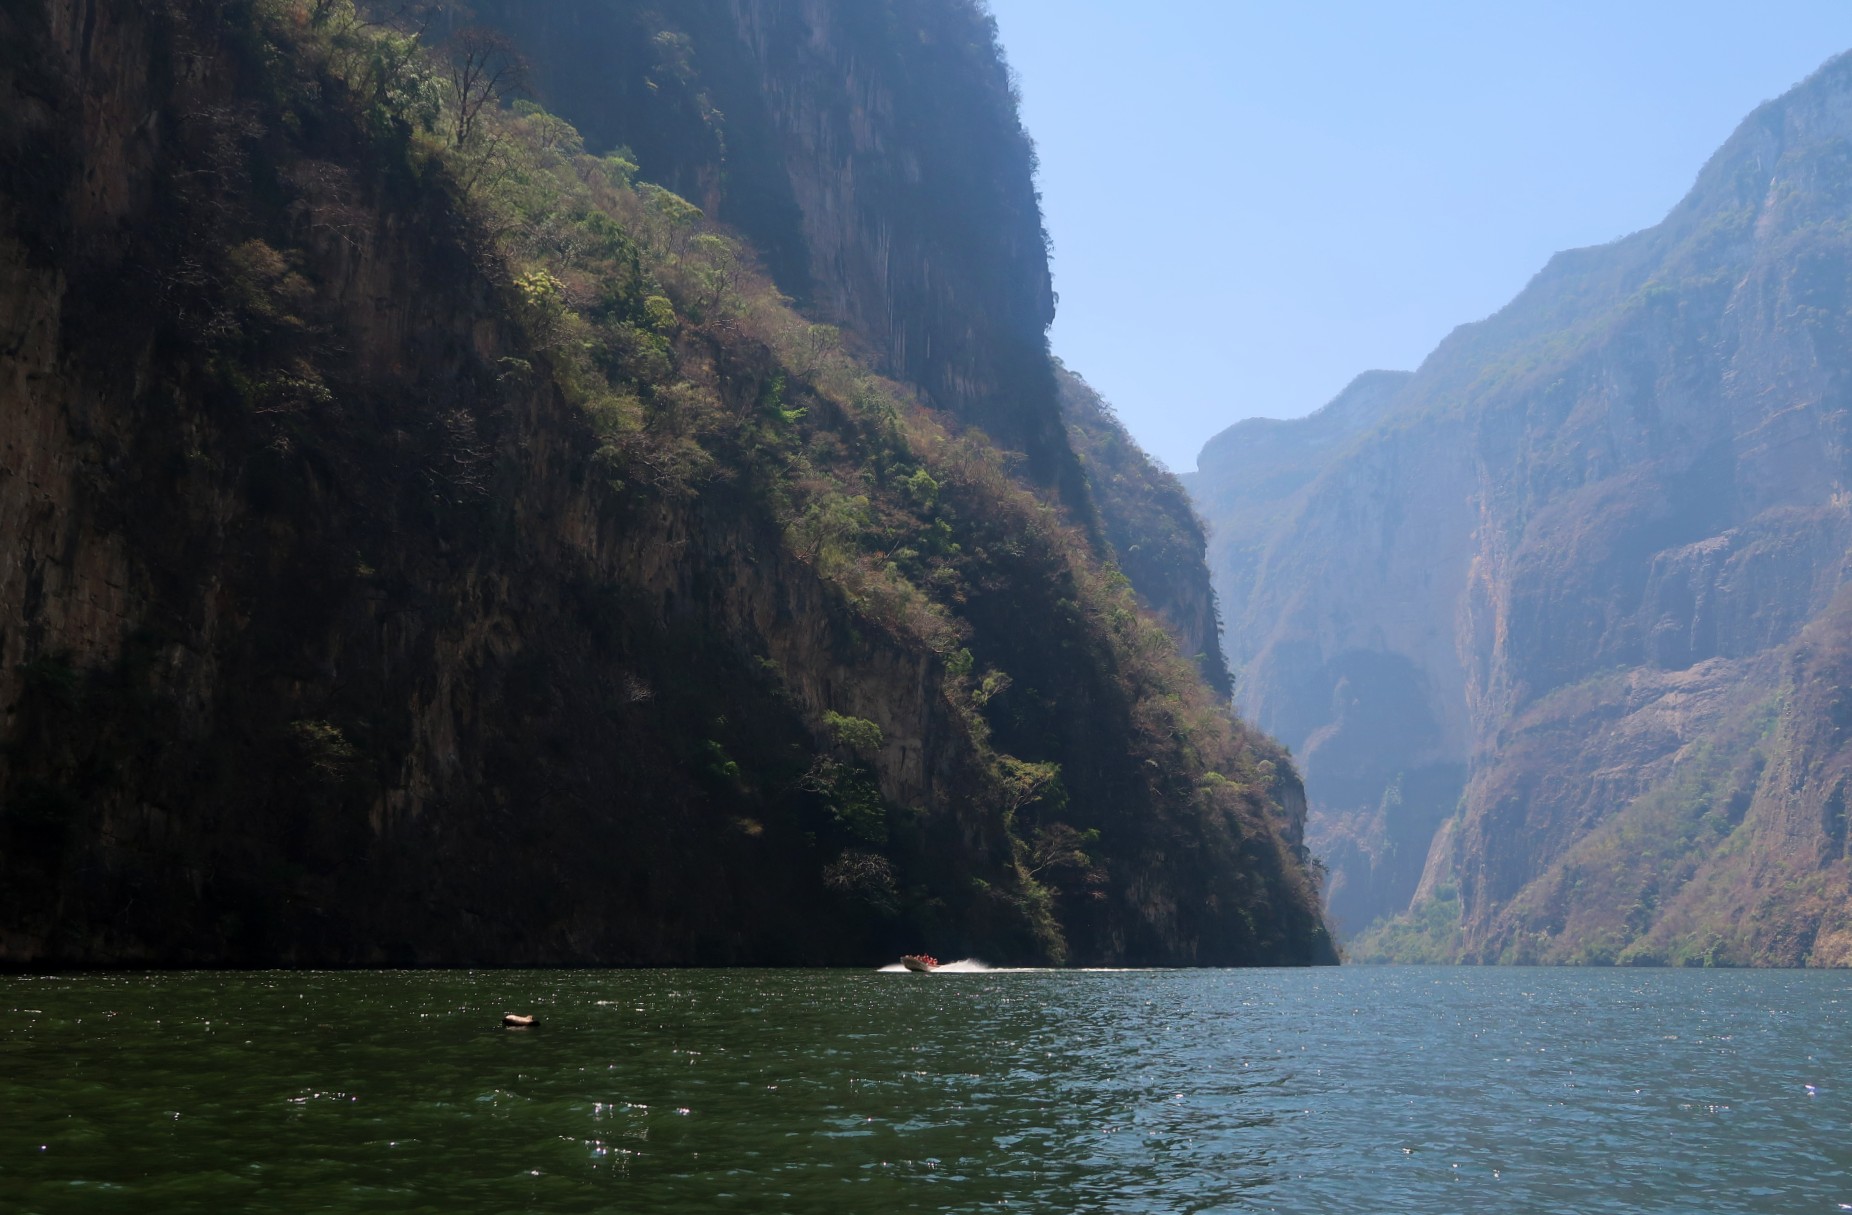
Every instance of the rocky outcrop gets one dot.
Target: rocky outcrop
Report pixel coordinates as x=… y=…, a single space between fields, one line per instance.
x=330 y=632
x=1576 y=565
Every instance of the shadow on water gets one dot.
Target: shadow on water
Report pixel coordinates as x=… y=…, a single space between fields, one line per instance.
x=644 y=1091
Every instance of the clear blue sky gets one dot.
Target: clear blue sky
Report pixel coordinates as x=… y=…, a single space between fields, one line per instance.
x=1252 y=202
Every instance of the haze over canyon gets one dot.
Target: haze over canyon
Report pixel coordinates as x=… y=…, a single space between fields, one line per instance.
x=1557 y=624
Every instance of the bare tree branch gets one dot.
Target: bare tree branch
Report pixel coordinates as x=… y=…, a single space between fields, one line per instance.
x=485 y=67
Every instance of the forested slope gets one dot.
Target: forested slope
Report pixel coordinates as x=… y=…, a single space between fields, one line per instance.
x=431 y=541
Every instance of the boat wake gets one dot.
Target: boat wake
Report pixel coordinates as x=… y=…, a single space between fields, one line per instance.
x=964 y=966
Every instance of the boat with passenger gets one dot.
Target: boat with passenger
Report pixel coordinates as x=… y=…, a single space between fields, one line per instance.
x=919 y=963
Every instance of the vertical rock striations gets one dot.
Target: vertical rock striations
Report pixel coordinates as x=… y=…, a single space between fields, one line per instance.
x=873 y=152
x=1583 y=570
x=425 y=551
x=1339 y=621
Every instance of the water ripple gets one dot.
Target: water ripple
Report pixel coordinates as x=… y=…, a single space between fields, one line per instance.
x=1408 y=1090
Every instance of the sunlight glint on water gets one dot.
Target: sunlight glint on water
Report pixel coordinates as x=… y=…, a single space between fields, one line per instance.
x=1307 y=1091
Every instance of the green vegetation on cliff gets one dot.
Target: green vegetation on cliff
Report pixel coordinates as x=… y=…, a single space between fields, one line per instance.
x=457 y=549
x=1154 y=533
x=871 y=152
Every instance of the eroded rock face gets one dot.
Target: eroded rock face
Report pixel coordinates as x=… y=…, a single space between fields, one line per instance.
x=1354 y=661
x=871 y=149
x=377 y=675
x=326 y=638
x=1578 y=571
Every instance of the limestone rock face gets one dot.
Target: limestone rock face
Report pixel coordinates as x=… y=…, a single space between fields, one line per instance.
x=1547 y=620
x=871 y=149
x=804 y=126
x=335 y=630
x=1353 y=663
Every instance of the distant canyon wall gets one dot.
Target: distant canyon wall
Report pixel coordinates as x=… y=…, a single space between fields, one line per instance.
x=1554 y=624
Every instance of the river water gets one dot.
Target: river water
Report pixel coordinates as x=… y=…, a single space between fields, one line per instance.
x=1353 y=1089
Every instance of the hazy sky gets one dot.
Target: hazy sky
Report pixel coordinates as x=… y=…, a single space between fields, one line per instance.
x=1251 y=203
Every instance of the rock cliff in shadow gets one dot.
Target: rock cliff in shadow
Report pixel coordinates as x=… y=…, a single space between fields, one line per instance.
x=872 y=151
x=429 y=540
x=874 y=156
x=1554 y=623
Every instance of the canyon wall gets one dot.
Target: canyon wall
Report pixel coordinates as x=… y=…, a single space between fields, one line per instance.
x=344 y=620
x=1552 y=622
x=873 y=151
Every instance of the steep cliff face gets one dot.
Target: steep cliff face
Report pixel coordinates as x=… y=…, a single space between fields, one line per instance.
x=1146 y=516
x=873 y=150
x=1256 y=474
x=1587 y=558
x=1345 y=650
x=406 y=568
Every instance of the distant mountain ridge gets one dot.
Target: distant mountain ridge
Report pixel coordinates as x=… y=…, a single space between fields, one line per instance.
x=1253 y=475
x=1555 y=633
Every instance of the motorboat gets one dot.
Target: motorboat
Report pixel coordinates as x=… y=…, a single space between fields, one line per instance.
x=919 y=963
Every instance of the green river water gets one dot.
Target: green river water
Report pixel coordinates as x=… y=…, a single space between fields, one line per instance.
x=1353 y=1089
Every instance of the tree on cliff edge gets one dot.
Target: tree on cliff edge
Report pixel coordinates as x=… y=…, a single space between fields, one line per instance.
x=485 y=67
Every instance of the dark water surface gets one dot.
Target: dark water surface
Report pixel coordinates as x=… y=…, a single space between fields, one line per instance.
x=1379 y=1090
